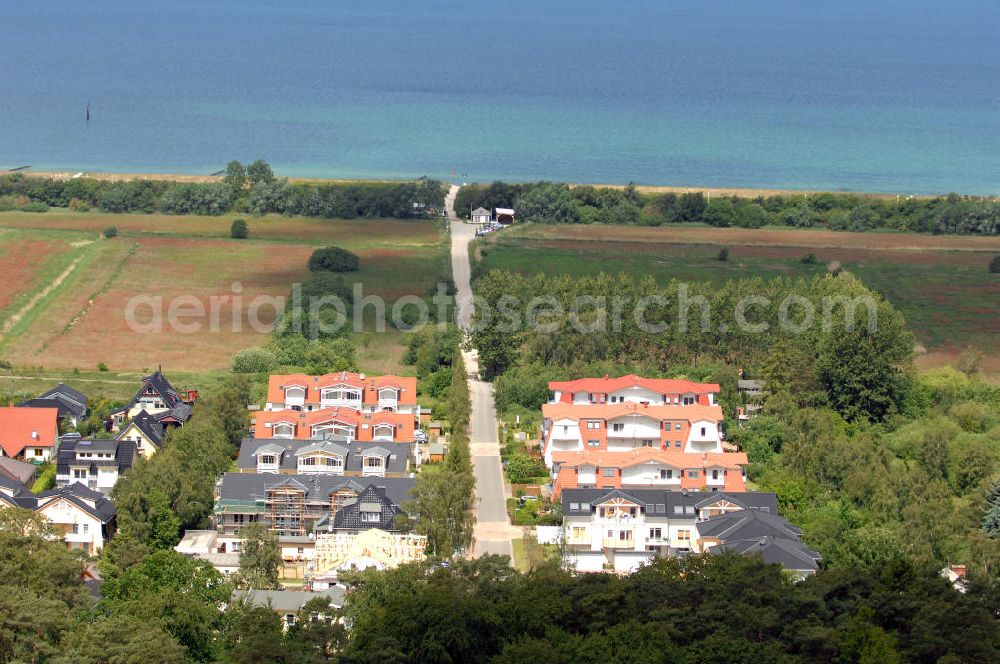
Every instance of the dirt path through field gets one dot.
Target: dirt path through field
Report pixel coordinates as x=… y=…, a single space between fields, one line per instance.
x=23 y=311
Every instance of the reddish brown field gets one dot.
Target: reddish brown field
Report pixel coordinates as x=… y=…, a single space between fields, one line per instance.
x=84 y=322
x=766 y=237
x=22 y=260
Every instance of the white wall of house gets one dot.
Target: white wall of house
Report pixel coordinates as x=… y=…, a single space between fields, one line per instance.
x=82 y=531
x=649 y=474
x=38 y=454
x=704 y=437
x=633 y=427
x=635 y=394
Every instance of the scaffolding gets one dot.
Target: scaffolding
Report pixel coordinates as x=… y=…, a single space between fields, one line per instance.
x=285 y=510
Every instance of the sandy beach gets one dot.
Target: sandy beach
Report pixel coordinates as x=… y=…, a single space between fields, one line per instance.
x=742 y=192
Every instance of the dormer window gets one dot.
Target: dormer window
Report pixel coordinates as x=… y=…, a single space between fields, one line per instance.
x=283 y=430
x=373 y=462
x=268 y=460
x=383 y=432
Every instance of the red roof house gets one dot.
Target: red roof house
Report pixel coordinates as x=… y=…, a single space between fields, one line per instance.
x=29 y=434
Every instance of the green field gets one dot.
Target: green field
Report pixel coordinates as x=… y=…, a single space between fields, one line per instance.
x=949 y=298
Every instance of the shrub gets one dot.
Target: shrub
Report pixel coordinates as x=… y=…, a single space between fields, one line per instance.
x=4 y=364
x=35 y=207
x=333 y=259
x=101 y=366
x=809 y=258
x=253 y=360
x=79 y=205
x=111 y=231
x=239 y=230
x=723 y=254
x=995 y=265
x=46 y=478
x=521 y=468
x=7 y=203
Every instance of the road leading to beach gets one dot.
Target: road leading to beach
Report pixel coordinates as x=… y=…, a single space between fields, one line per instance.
x=493 y=532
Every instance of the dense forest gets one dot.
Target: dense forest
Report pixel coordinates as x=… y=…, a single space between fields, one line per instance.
x=876 y=463
x=546 y=202
x=251 y=189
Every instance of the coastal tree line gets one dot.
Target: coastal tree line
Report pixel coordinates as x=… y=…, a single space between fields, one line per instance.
x=251 y=189
x=546 y=202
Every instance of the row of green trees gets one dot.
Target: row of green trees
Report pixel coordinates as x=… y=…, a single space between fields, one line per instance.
x=546 y=202
x=251 y=189
x=700 y=609
x=441 y=500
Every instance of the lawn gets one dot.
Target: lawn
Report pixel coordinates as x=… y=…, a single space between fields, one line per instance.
x=940 y=283
x=82 y=321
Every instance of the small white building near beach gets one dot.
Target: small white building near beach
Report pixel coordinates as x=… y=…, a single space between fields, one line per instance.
x=481 y=216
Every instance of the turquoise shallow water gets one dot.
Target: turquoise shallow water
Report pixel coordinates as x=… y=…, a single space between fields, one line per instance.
x=884 y=95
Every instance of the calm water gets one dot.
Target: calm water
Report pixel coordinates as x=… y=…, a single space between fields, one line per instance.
x=888 y=95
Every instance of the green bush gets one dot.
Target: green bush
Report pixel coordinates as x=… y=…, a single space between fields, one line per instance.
x=253 y=360
x=101 y=366
x=809 y=258
x=995 y=265
x=333 y=259
x=723 y=254
x=35 y=207
x=521 y=468
x=46 y=478
x=239 y=230
x=111 y=231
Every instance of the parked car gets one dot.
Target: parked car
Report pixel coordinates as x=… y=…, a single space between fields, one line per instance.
x=420 y=436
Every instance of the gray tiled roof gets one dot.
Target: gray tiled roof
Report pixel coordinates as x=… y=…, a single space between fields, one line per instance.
x=652 y=499
x=747 y=524
x=789 y=553
x=17 y=470
x=82 y=497
x=396 y=454
x=371 y=500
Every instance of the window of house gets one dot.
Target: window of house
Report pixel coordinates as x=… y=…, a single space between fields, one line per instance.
x=715 y=474
x=693 y=474
x=86 y=527
x=593 y=443
x=678 y=509
x=332 y=461
x=373 y=462
x=689 y=401
x=574 y=507
x=593 y=424
x=79 y=474
x=647 y=442
x=677 y=426
x=684 y=535
x=618 y=426
x=689 y=509
x=703 y=431
x=308 y=461
x=655 y=533
x=76 y=529
x=267 y=459
x=609 y=472
x=677 y=444
x=38 y=452
x=370 y=517
x=661 y=508
x=289 y=619
x=666 y=474
x=239 y=518
x=578 y=532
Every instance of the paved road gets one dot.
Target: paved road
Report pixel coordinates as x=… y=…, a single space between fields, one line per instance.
x=493 y=531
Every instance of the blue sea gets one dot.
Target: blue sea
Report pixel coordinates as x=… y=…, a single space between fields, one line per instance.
x=900 y=96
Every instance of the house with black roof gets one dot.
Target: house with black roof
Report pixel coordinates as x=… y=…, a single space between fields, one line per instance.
x=145 y=431
x=768 y=535
x=83 y=518
x=96 y=463
x=71 y=404
x=621 y=529
x=157 y=397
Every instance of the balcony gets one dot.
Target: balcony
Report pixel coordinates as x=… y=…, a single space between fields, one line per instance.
x=616 y=543
x=353 y=403
x=373 y=472
x=388 y=404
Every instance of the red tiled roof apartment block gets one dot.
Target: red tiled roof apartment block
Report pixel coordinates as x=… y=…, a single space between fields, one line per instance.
x=29 y=434
x=342 y=389
x=637 y=432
